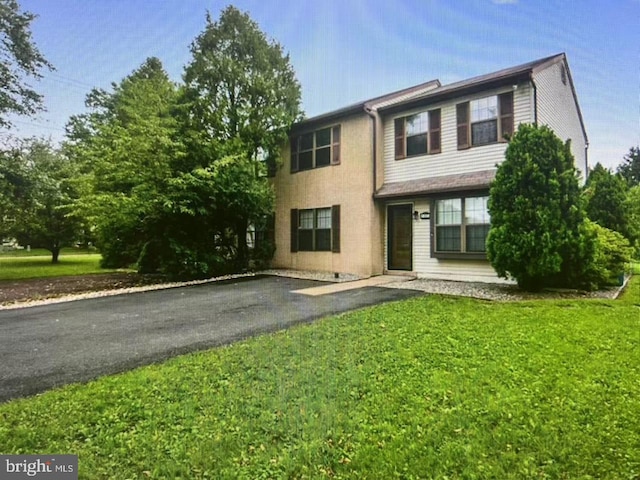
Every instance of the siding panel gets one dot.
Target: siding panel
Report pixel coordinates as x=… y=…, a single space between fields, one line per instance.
x=557 y=109
x=451 y=160
x=427 y=267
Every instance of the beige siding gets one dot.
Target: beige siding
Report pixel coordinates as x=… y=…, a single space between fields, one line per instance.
x=451 y=160
x=349 y=185
x=557 y=109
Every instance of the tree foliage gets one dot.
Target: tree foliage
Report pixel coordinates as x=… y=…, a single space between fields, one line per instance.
x=42 y=194
x=15 y=188
x=19 y=59
x=537 y=213
x=125 y=146
x=240 y=91
x=606 y=196
x=629 y=169
x=632 y=207
x=611 y=255
x=172 y=177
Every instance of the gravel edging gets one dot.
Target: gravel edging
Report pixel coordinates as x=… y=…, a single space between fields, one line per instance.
x=301 y=274
x=479 y=290
x=499 y=292
x=118 y=291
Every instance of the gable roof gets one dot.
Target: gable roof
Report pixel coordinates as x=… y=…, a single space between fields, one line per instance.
x=433 y=91
x=476 y=84
x=415 y=91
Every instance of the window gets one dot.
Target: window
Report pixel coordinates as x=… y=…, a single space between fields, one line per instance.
x=417 y=134
x=315 y=229
x=461 y=226
x=315 y=149
x=484 y=120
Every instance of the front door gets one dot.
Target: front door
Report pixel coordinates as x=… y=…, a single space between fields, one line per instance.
x=399 y=237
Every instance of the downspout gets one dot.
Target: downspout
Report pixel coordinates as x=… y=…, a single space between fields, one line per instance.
x=374 y=144
x=586 y=160
x=374 y=123
x=535 y=99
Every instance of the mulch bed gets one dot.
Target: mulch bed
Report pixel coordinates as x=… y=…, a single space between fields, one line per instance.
x=42 y=288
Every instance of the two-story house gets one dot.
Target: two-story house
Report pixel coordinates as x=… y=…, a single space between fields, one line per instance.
x=400 y=183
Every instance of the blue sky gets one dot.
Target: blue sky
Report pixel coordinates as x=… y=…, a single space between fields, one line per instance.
x=344 y=51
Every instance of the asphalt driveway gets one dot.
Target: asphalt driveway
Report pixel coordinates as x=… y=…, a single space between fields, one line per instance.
x=51 y=345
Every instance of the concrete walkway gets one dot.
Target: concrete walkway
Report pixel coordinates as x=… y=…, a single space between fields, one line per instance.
x=343 y=287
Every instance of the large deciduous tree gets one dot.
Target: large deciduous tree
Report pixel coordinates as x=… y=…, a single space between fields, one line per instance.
x=19 y=60
x=124 y=146
x=36 y=182
x=48 y=221
x=241 y=96
x=173 y=177
x=536 y=212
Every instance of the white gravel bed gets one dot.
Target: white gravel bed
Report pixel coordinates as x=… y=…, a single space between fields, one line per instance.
x=497 y=292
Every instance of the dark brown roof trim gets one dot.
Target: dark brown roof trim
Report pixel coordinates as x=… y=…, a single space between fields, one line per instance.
x=356 y=108
x=501 y=78
x=434 y=185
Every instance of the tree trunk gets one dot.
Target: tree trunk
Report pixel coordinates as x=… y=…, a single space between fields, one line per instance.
x=55 y=253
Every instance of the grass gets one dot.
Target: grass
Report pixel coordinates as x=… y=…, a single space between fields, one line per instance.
x=18 y=268
x=41 y=252
x=432 y=387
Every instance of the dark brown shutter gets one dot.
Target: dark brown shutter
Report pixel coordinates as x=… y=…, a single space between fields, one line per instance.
x=335 y=229
x=462 y=120
x=294 y=230
x=399 y=136
x=335 y=146
x=506 y=115
x=434 y=131
x=294 y=153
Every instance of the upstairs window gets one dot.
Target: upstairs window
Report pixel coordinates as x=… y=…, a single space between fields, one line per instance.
x=417 y=134
x=484 y=120
x=461 y=226
x=315 y=149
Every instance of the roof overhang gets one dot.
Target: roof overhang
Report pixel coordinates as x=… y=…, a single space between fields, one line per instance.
x=456 y=91
x=436 y=185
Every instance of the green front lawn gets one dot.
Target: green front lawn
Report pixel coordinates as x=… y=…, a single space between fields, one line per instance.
x=433 y=387
x=18 y=267
x=41 y=252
